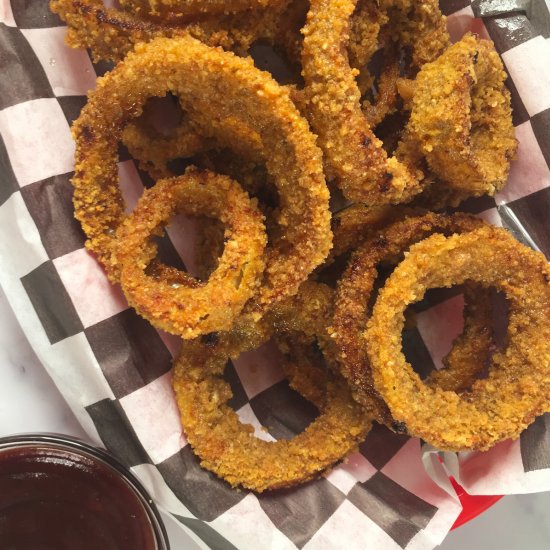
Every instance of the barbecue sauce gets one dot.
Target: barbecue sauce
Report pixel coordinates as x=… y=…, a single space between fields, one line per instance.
x=56 y=499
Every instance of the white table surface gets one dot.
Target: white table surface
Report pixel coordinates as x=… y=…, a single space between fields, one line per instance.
x=30 y=402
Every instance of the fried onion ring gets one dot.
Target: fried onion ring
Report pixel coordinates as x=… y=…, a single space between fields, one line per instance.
x=111 y=33
x=353 y=154
x=461 y=117
x=229 y=448
x=155 y=151
x=190 y=311
x=387 y=94
x=365 y=24
x=352 y=308
x=354 y=224
x=221 y=87
x=517 y=387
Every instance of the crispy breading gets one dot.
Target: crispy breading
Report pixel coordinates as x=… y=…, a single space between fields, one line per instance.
x=461 y=117
x=195 y=309
x=517 y=388
x=229 y=448
x=353 y=309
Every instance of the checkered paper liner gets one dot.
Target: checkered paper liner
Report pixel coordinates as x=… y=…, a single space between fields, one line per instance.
x=113 y=367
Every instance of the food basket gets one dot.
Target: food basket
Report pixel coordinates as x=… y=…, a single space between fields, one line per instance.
x=113 y=368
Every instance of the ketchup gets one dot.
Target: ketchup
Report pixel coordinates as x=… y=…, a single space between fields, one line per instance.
x=53 y=498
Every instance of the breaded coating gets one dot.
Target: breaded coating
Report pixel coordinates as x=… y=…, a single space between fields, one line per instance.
x=461 y=117
x=190 y=311
x=220 y=87
x=354 y=296
x=517 y=388
x=230 y=449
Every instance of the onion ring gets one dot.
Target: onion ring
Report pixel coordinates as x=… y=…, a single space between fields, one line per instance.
x=353 y=225
x=354 y=291
x=155 y=151
x=356 y=223
x=365 y=24
x=353 y=154
x=387 y=94
x=229 y=449
x=155 y=156
x=190 y=311
x=216 y=83
x=435 y=195
x=111 y=33
x=518 y=384
x=461 y=117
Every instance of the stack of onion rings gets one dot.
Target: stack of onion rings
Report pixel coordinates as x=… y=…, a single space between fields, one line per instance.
x=371 y=71
x=240 y=93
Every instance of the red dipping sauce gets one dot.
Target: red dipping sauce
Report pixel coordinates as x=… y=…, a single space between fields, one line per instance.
x=61 y=494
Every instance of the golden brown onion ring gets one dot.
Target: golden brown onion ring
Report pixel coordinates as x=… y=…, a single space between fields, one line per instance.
x=365 y=24
x=169 y=10
x=517 y=387
x=461 y=117
x=154 y=151
x=222 y=89
x=418 y=27
x=356 y=223
x=352 y=307
x=111 y=33
x=229 y=448
x=189 y=311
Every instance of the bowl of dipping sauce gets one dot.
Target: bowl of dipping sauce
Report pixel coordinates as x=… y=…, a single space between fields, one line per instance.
x=58 y=493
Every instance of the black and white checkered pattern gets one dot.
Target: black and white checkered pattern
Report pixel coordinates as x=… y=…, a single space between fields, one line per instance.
x=113 y=367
